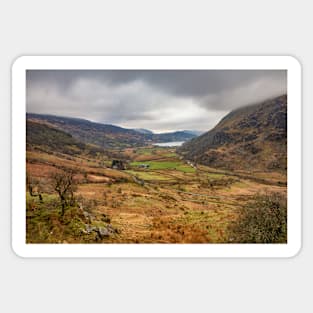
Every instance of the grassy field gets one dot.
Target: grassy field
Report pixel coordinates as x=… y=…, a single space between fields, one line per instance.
x=166 y=165
x=168 y=202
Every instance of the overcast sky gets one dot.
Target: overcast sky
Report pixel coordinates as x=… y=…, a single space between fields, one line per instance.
x=159 y=100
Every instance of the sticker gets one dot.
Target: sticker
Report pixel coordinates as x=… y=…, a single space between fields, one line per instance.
x=156 y=156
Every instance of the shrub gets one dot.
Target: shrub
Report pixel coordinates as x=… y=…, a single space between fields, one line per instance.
x=264 y=220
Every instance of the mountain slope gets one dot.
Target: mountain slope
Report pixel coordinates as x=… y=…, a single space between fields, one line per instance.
x=46 y=138
x=103 y=135
x=143 y=131
x=249 y=138
x=194 y=132
x=107 y=136
x=174 y=136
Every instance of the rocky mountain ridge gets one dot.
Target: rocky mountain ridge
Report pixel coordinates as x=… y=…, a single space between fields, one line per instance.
x=250 y=138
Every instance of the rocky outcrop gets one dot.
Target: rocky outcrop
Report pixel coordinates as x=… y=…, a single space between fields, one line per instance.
x=252 y=137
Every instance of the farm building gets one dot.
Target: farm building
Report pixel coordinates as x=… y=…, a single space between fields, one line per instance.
x=118 y=165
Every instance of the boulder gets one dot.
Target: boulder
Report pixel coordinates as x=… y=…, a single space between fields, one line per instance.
x=103 y=232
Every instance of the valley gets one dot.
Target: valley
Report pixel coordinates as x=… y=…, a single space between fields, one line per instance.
x=133 y=191
x=170 y=201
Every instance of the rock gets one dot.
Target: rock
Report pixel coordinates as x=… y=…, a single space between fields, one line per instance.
x=89 y=217
x=90 y=229
x=86 y=214
x=249 y=137
x=103 y=232
x=112 y=230
x=252 y=148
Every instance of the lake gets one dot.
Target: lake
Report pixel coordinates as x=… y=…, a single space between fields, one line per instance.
x=169 y=144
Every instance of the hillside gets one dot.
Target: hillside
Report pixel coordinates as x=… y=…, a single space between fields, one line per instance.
x=46 y=138
x=104 y=135
x=174 y=136
x=143 y=131
x=250 y=138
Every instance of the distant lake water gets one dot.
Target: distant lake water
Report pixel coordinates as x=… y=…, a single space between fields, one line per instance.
x=169 y=144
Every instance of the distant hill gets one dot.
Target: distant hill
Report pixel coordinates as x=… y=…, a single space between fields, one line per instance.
x=194 y=132
x=175 y=136
x=105 y=135
x=143 y=131
x=42 y=136
x=250 y=138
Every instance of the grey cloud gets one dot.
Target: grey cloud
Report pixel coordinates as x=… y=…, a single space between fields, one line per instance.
x=196 y=83
x=156 y=99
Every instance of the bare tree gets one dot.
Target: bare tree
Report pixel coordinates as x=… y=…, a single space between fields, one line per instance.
x=64 y=185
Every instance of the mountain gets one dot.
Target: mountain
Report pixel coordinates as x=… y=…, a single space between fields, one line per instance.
x=143 y=131
x=174 y=136
x=194 y=132
x=250 y=138
x=183 y=135
x=51 y=139
x=105 y=135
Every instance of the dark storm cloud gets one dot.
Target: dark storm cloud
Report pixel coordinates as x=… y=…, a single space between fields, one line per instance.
x=194 y=83
x=157 y=99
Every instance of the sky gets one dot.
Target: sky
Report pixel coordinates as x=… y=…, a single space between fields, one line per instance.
x=159 y=100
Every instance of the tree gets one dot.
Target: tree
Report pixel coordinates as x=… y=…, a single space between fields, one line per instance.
x=64 y=185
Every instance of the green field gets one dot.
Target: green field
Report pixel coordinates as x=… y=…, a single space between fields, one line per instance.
x=166 y=165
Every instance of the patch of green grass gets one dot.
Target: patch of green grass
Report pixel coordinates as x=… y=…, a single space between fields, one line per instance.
x=170 y=155
x=215 y=175
x=46 y=224
x=47 y=199
x=145 y=151
x=107 y=163
x=166 y=165
x=213 y=222
x=240 y=184
x=186 y=168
